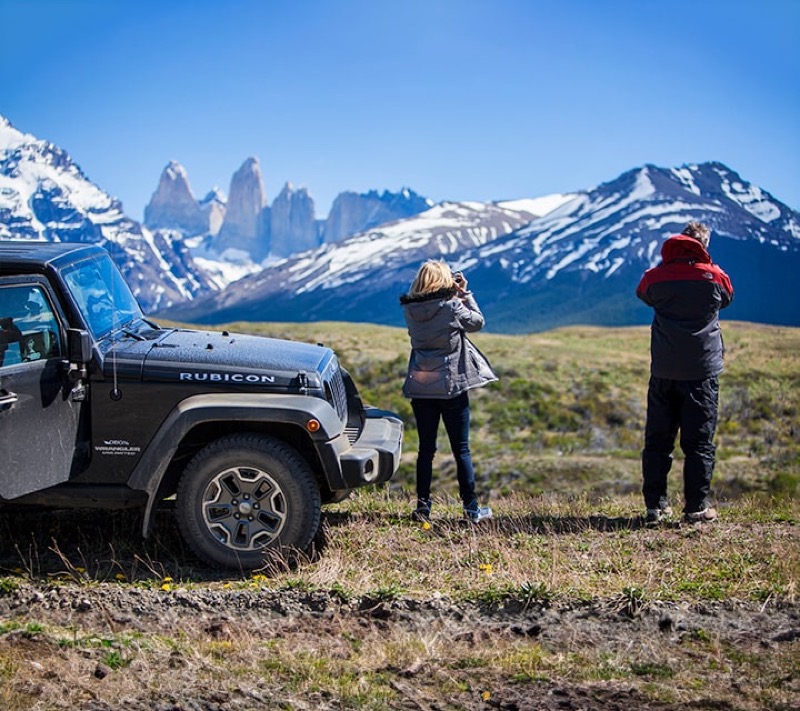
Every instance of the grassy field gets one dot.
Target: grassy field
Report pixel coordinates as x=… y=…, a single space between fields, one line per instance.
x=568 y=412
x=562 y=601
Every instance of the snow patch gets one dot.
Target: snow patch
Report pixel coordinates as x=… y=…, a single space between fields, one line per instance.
x=540 y=206
x=752 y=199
x=686 y=178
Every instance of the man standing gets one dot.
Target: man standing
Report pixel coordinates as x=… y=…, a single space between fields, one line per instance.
x=686 y=291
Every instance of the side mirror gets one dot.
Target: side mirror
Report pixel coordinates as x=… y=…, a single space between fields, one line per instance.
x=79 y=353
x=79 y=346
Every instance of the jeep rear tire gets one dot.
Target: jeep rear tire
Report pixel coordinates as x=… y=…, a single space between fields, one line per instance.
x=243 y=495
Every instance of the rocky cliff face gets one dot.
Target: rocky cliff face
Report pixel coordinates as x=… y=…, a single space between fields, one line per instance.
x=352 y=213
x=214 y=206
x=293 y=227
x=244 y=229
x=173 y=206
x=245 y=226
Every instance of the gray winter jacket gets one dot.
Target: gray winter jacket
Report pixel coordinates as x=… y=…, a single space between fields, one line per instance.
x=444 y=363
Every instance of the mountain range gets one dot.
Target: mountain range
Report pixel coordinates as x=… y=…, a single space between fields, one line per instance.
x=533 y=264
x=245 y=228
x=571 y=259
x=186 y=247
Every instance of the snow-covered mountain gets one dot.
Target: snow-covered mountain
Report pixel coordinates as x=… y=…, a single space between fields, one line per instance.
x=360 y=277
x=533 y=264
x=581 y=262
x=45 y=196
x=568 y=259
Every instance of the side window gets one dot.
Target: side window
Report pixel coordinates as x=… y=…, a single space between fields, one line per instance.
x=28 y=327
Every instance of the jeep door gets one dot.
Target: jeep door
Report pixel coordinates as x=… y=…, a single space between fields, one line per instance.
x=39 y=417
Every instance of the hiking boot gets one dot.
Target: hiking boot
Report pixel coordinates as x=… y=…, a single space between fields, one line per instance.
x=703 y=516
x=423 y=511
x=658 y=515
x=474 y=513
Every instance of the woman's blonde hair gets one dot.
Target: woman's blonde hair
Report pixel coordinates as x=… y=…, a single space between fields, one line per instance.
x=432 y=276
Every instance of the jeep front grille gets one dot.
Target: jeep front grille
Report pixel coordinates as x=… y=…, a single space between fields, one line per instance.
x=335 y=392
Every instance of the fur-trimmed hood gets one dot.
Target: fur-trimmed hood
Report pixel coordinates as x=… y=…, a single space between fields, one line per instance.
x=436 y=306
x=446 y=292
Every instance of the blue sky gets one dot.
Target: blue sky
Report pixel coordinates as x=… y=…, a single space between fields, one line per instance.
x=456 y=99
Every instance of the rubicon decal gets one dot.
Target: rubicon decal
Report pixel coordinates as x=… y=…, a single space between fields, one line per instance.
x=252 y=378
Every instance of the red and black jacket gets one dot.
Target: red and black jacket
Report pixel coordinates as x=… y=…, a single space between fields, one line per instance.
x=687 y=291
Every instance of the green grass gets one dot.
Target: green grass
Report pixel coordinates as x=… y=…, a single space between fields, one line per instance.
x=449 y=615
x=569 y=409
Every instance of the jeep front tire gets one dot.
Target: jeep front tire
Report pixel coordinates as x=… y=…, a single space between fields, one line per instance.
x=243 y=495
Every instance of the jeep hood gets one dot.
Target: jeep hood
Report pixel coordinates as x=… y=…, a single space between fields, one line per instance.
x=198 y=355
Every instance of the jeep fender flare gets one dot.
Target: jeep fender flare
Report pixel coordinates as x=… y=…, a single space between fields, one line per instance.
x=244 y=408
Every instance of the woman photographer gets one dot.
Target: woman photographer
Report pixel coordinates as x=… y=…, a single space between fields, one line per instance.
x=444 y=365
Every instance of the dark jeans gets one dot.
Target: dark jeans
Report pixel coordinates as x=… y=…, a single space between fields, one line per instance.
x=455 y=414
x=691 y=406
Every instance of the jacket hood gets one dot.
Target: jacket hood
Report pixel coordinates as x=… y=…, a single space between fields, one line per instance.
x=445 y=293
x=425 y=307
x=682 y=247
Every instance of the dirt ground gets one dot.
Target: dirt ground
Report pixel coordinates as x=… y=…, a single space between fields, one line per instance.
x=225 y=644
x=54 y=675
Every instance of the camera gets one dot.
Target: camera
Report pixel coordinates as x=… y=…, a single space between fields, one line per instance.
x=458 y=278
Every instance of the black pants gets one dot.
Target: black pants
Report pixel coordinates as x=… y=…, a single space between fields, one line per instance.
x=691 y=406
x=455 y=415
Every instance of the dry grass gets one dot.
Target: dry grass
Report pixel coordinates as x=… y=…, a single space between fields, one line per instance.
x=558 y=602
x=393 y=612
x=565 y=548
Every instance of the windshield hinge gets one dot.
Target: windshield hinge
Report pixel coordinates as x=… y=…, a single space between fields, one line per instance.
x=302 y=381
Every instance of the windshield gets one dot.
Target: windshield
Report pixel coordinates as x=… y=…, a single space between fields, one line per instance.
x=102 y=295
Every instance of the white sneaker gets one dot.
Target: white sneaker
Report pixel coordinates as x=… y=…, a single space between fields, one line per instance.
x=477 y=513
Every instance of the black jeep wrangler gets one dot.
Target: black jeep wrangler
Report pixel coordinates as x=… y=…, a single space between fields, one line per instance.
x=99 y=407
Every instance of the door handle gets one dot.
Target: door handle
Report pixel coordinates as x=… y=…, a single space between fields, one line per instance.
x=7 y=399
